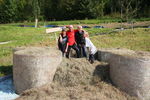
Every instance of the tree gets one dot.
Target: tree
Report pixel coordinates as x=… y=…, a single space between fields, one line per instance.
x=36 y=10
x=29 y=10
x=81 y=9
x=8 y=11
x=129 y=8
x=97 y=7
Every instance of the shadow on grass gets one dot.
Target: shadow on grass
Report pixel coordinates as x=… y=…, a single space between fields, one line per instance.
x=6 y=70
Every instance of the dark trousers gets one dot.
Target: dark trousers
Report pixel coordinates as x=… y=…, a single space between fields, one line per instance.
x=62 y=47
x=74 y=46
x=92 y=57
x=82 y=50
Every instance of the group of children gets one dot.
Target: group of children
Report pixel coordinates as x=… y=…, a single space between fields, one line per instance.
x=78 y=40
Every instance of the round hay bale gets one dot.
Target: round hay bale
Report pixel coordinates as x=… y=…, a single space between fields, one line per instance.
x=34 y=67
x=18 y=48
x=130 y=71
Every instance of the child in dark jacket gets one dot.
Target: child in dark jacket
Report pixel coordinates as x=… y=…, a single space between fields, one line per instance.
x=62 y=41
x=80 y=40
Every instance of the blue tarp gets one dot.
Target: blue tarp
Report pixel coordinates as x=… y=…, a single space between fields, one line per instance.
x=93 y=26
x=51 y=26
x=26 y=26
x=98 y=27
x=86 y=27
x=7 y=91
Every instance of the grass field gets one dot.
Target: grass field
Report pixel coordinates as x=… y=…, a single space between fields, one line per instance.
x=86 y=21
x=137 y=39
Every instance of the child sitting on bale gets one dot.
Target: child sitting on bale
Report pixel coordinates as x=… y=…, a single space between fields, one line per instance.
x=71 y=42
x=62 y=41
x=80 y=40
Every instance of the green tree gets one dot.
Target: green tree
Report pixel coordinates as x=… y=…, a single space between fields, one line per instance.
x=81 y=9
x=97 y=7
x=8 y=10
x=36 y=10
x=129 y=8
x=29 y=10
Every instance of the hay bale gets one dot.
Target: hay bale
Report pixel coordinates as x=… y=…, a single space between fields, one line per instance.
x=129 y=70
x=34 y=67
x=18 y=49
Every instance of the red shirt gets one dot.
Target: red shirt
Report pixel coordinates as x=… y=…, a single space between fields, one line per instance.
x=71 y=37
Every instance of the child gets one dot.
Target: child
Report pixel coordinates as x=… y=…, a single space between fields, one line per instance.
x=80 y=40
x=62 y=41
x=92 y=50
x=71 y=42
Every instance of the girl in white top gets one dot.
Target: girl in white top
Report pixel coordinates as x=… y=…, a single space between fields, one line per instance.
x=91 y=48
x=90 y=45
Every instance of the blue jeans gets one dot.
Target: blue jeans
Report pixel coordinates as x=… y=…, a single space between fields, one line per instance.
x=82 y=50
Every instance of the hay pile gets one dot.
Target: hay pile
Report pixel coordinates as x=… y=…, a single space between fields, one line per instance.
x=74 y=72
x=77 y=79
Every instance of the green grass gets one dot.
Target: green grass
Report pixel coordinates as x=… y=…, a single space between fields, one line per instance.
x=18 y=37
x=86 y=21
x=137 y=39
x=91 y=21
x=143 y=19
x=94 y=31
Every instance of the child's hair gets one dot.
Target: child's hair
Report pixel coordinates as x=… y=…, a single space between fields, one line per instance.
x=79 y=26
x=63 y=30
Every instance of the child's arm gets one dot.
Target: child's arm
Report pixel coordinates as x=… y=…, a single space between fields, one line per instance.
x=60 y=38
x=66 y=48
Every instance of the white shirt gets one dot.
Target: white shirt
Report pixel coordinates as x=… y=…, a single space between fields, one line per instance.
x=91 y=46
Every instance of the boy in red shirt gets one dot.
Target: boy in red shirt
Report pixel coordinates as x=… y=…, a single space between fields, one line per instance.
x=71 y=41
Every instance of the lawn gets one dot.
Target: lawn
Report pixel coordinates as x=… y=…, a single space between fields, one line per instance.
x=86 y=21
x=137 y=39
x=18 y=37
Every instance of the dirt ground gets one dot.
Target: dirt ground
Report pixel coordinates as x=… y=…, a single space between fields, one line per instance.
x=77 y=79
